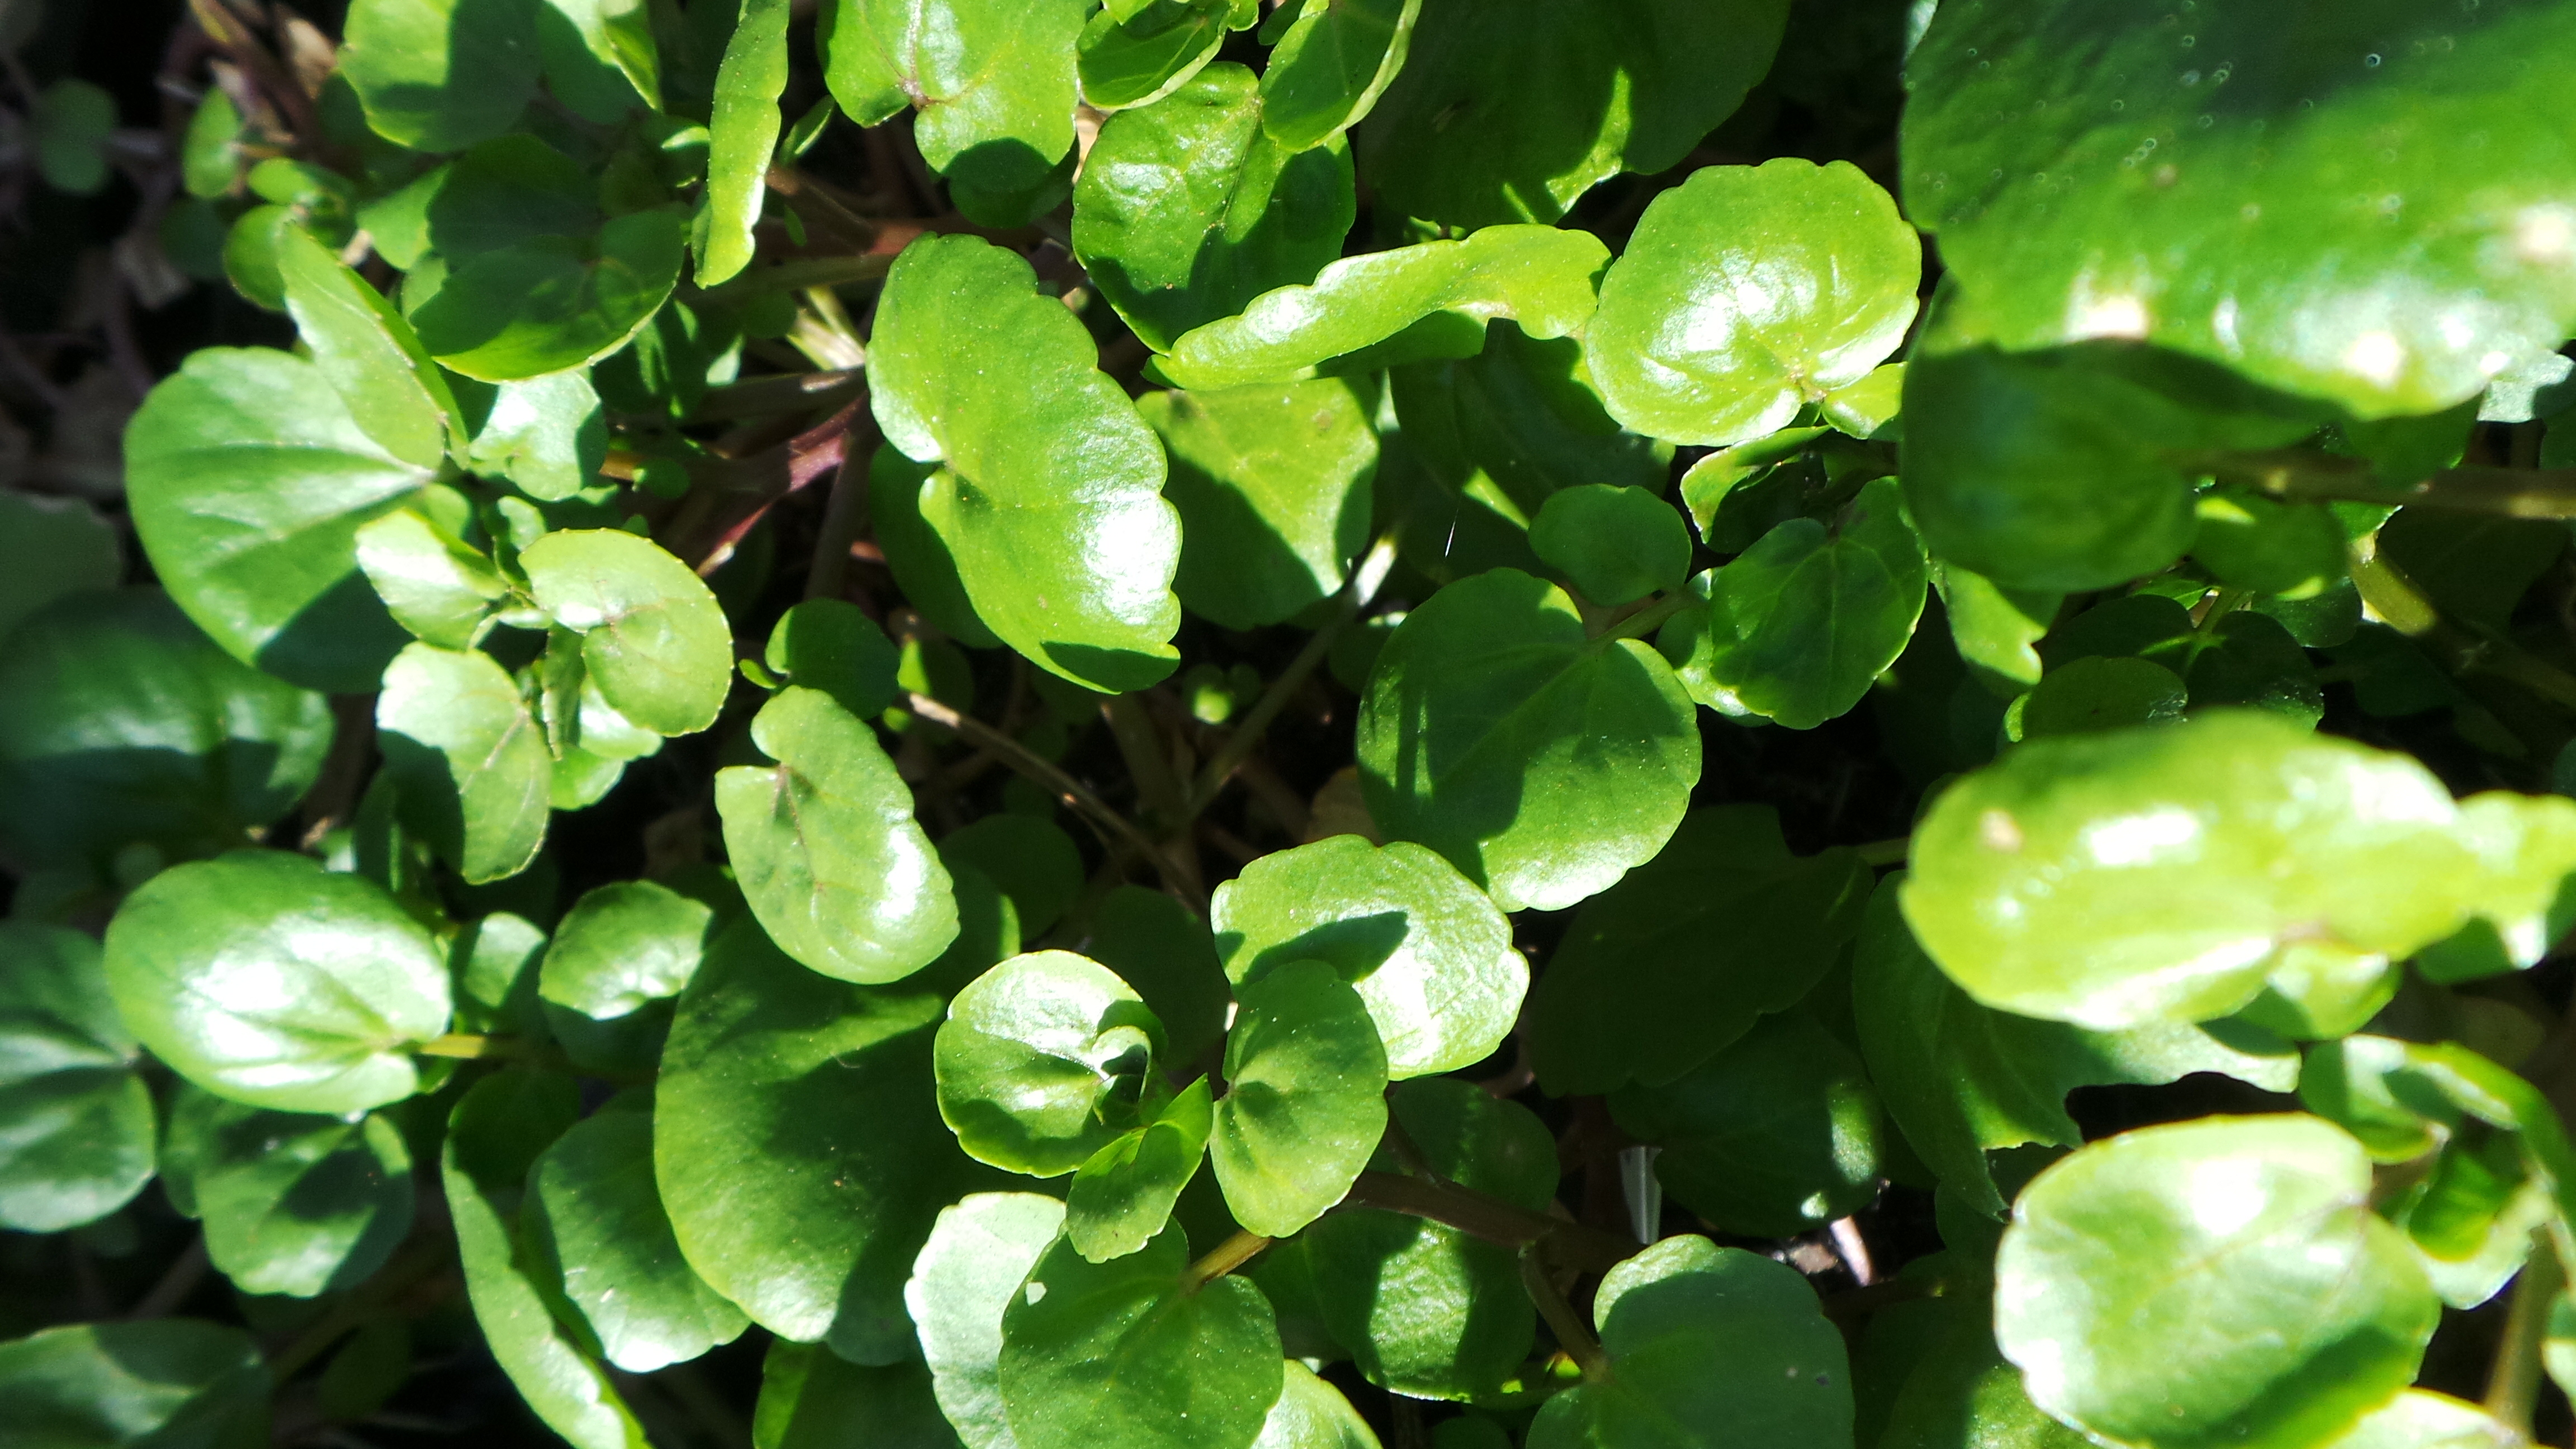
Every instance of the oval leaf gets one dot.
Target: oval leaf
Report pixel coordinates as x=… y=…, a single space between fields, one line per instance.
x=76 y=1122
x=1032 y=1057
x=652 y=637
x=471 y=762
x=968 y=1273
x=1305 y=1100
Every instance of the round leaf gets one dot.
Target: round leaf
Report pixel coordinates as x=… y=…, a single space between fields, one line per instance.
x=50 y=547
x=1331 y=66
x=622 y=945
x=121 y=722
x=1312 y=1414
x=1122 y=1353
x=1708 y=1346
x=992 y=80
x=1039 y=1060
x=798 y=1147
x=967 y=1274
x=2245 y=1250
x=548 y=303
x=248 y=480
x=1123 y=1194
x=470 y=761
x=1272 y=484
x=601 y=1219
x=1748 y=292
x=652 y=636
x=2045 y=883
x=293 y=1203
x=824 y=843
x=973 y=368
x=440 y=75
x=1034 y=862
x=1543 y=764
x=1429 y=954
x=1305 y=1101
x=1150 y=55
x=1616 y=545
x=263 y=979
x=76 y=1122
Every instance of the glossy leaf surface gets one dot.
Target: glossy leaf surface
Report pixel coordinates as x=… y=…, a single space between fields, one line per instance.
x=1305 y=1099
x=1428 y=953
x=1031 y=1059
x=1272 y=485
x=992 y=79
x=1123 y=1194
x=1616 y=545
x=1543 y=764
x=652 y=636
x=1413 y=303
x=469 y=758
x=1331 y=66
x=824 y=843
x=175 y=1381
x=1747 y=293
x=2286 y=1308
x=973 y=369
x=394 y=393
x=263 y=979
x=968 y=1273
x=622 y=945
x=603 y=1222
x=440 y=75
x=742 y=136
x=293 y=1202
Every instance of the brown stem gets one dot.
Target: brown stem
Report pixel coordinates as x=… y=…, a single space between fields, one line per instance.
x=786 y=393
x=845 y=511
x=727 y=498
x=1572 y=1333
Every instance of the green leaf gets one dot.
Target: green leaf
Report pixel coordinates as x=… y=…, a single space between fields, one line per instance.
x=73 y=120
x=2097 y=694
x=1123 y=1194
x=1124 y=1352
x=1995 y=627
x=1962 y=1079
x=264 y=980
x=992 y=80
x=1155 y=945
x=494 y=1137
x=1616 y=545
x=1040 y=1060
x=1305 y=1101
x=1682 y=955
x=595 y=1208
x=1871 y=407
x=1748 y=292
x=76 y=1122
x=1140 y=60
x=1410 y=304
x=1312 y=1414
x=1797 y=627
x=600 y=56
x=967 y=1274
x=469 y=759
x=1518 y=423
x=919 y=559
x=249 y=480
x=827 y=644
x=1331 y=66
x=1430 y=956
x=545 y=434
x=622 y=945
x=167 y=1383
x=440 y=75
x=2253 y=542
x=50 y=547
x=1707 y=1346
x=973 y=368
x=742 y=137
x=396 y=395
x=2281 y=1307
x=548 y=303
x=2044 y=883
x=1428 y=1310
x=829 y=856
x=1186 y=211
x=1543 y=764
x=2330 y=228
x=2072 y=469
x=2418 y=1419
x=812 y=1398
x=293 y=1203
x=1508 y=112
x=436 y=585
x=798 y=1144
x=651 y=634
x=1034 y=862
x=1272 y=485
x=1961 y=1391
x=121 y=723
x=1777 y=1134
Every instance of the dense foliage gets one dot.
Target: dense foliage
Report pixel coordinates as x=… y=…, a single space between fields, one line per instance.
x=1175 y=724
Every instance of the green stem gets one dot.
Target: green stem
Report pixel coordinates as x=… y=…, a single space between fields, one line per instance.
x=2321 y=477
x=1229 y=1255
x=2513 y=1383
x=807 y=272
x=1572 y=1333
x=2462 y=648
x=466 y=1046
x=1648 y=619
x=1491 y=1218
x=1886 y=852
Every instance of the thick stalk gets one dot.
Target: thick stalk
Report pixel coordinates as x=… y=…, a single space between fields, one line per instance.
x=1227 y=1256
x=1572 y=1333
x=2513 y=1382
